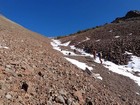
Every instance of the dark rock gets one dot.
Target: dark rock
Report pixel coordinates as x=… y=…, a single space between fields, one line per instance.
x=88 y=71
x=88 y=102
x=40 y=74
x=25 y=86
x=20 y=75
x=131 y=14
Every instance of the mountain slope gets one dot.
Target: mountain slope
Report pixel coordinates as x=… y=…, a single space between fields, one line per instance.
x=32 y=73
x=112 y=39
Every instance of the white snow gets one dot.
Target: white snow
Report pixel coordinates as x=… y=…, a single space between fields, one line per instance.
x=56 y=45
x=84 y=40
x=80 y=65
x=130 y=33
x=87 y=38
x=128 y=53
x=97 y=76
x=126 y=70
x=98 y=40
x=134 y=63
x=137 y=93
x=57 y=42
x=117 y=36
x=111 y=31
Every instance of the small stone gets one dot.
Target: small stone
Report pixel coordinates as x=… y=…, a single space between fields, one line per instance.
x=88 y=71
x=19 y=75
x=60 y=99
x=62 y=92
x=69 y=101
x=8 y=96
x=8 y=66
x=40 y=74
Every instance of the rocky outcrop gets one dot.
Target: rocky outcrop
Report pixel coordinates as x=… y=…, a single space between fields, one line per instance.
x=131 y=15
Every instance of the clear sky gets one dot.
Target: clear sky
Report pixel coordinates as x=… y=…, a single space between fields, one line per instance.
x=63 y=17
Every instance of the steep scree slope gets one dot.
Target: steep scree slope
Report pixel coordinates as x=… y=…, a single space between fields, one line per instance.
x=32 y=73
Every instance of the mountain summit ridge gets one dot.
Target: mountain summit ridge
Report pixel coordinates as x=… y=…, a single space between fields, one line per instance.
x=131 y=15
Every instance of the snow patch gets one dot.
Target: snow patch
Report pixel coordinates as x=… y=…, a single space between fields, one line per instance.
x=66 y=44
x=97 y=76
x=134 y=63
x=128 y=53
x=110 y=30
x=137 y=93
x=87 y=38
x=117 y=36
x=56 y=45
x=84 y=40
x=98 y=40
x=130 y=33
x=57 y=42
x=80 y=65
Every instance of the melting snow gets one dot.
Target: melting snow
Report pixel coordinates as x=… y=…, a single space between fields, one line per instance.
x=57 y=43
x=111 y=31
x=137 y=93
x=97 y=76
x=130 y=34
x=117 y=36
x=80 y=65
x=87 y=38
x=134 y=63
x=128 y=53
x=84 y=40
x=98 y=40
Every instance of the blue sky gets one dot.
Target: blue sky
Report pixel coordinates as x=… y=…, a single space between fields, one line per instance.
x=63 y=17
